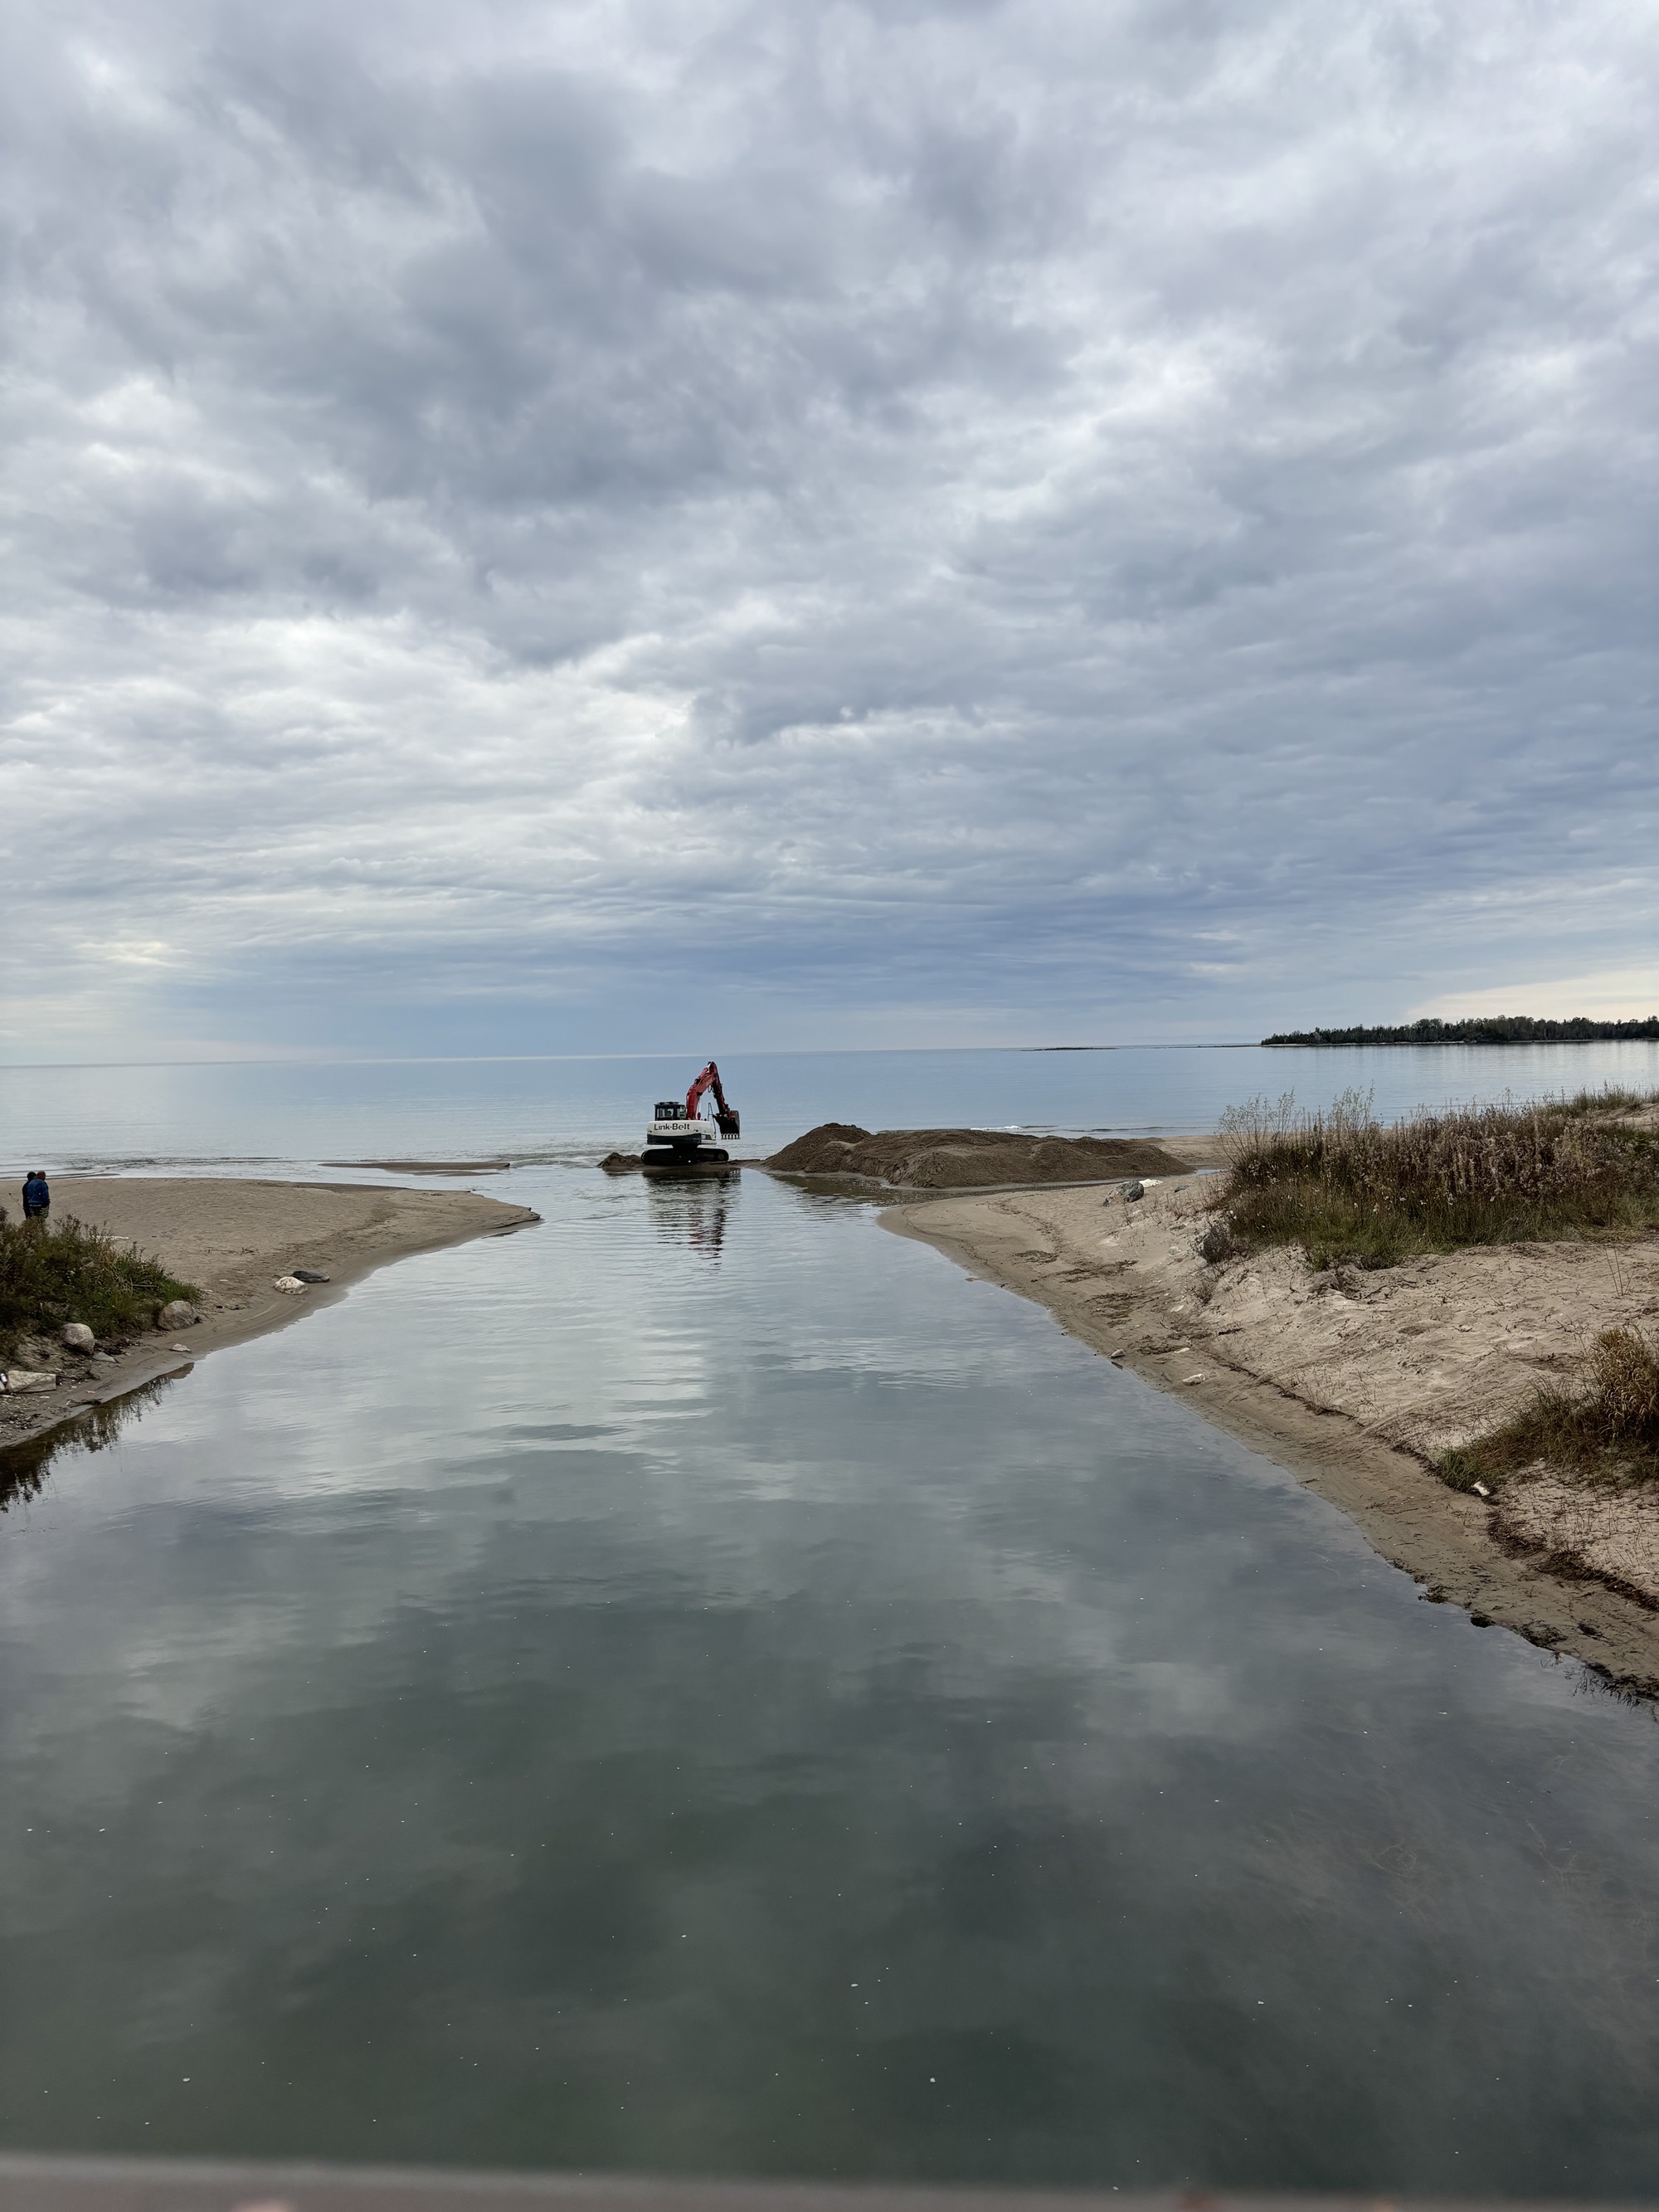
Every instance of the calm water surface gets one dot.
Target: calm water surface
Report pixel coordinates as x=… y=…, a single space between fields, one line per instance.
x=547 y=1110
x=702 y=1684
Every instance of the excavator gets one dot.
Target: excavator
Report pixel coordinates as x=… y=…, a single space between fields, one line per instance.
x=681 y=1136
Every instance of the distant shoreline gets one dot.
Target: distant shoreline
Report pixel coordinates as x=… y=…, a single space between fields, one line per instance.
x=1493 y=1029
x=1497 y=1029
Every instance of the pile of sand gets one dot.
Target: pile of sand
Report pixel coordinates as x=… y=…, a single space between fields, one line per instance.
x=966 y=1159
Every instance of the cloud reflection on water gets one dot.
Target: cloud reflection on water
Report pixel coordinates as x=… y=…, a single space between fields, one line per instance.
x=571 y=1703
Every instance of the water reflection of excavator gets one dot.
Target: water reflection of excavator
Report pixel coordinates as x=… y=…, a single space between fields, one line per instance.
x=694 y=1211
x=680 y=1137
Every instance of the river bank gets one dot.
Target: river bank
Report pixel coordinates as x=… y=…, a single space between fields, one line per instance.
x=232 y=1238
x=1356 y=1381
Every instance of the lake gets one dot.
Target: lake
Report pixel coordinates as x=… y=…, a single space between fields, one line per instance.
x=290 y=1117
x=702 y=1685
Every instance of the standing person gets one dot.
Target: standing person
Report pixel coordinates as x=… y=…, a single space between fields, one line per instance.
x=37 y=1196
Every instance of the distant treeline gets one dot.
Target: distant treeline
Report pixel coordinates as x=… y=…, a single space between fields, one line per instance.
x=1488 y=1029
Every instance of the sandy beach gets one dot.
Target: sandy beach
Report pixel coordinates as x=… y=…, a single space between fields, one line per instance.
x=231 y=1238
x=1354 y=1380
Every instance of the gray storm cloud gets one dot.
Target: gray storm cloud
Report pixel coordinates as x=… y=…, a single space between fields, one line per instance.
x=535 y=529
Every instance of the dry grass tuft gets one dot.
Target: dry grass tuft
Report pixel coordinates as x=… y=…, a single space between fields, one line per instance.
x=1348 y=1187
x=1609 y=1430
x=1611 y=1098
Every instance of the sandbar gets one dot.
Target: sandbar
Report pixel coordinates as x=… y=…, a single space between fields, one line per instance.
x=428 y=1167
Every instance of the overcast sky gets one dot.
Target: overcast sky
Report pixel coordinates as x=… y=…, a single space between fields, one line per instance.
x=697 y=526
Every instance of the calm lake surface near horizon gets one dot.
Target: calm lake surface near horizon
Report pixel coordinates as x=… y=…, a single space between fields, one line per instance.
x=292 y=1115
x=702 y=1685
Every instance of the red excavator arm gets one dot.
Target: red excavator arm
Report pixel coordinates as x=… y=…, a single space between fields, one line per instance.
x=726 y=1117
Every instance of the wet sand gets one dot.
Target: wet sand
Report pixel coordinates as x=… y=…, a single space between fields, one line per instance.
x=1355 y=1382
x=231 y=1238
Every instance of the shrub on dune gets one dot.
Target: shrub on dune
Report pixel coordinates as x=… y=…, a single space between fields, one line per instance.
x=66 y=1271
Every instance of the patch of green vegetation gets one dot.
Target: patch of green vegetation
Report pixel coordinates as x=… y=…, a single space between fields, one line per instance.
x=1609 y=1430
x=1349 y=1188
x=68 y=1271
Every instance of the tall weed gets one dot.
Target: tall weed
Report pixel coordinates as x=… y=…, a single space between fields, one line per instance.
x=1349 y=1187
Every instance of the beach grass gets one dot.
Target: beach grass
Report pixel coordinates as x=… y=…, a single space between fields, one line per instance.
x=1608 y=1429
x=66 y=1271
x=1352 y=1190
x=1611 y=1098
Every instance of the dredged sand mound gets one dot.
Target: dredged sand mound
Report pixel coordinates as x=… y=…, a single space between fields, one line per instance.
x=966 y=1159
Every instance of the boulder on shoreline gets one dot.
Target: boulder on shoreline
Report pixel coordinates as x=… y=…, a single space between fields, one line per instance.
x=17 y=1380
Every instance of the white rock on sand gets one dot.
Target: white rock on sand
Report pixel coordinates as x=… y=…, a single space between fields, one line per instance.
x=16 y=1380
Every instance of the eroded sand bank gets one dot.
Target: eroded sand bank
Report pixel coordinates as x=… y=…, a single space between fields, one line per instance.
x=232 y=1238
x=1354 y=1380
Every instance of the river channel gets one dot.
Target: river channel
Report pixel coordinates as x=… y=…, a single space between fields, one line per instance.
x=702 y=1685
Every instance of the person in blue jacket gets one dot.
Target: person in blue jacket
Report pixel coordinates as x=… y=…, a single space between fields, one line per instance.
x=37 y=1196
